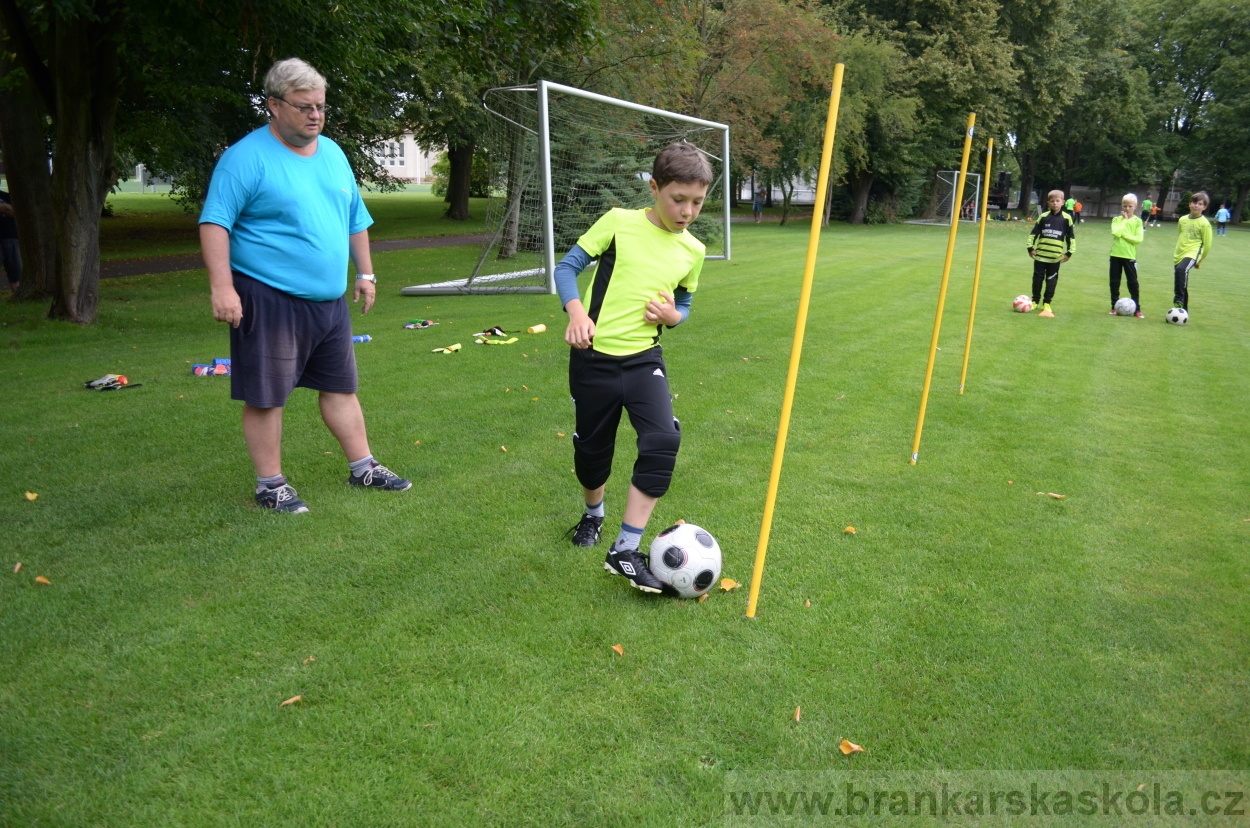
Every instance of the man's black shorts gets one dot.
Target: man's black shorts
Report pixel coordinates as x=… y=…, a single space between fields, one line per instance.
x=286 y=342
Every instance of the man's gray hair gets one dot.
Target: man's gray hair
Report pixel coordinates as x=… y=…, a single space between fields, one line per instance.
x=292 y=75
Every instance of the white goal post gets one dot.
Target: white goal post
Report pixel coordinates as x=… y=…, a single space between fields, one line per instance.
x=559 y=157
x=946 y=189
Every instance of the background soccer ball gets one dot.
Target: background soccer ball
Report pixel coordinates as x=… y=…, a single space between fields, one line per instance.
x=1125 y=307
x=1178 y=316
x=686 y=558
x=1023 y=304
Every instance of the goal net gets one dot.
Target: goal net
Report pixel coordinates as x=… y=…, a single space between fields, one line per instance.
x=945 y=192
x=560 y=158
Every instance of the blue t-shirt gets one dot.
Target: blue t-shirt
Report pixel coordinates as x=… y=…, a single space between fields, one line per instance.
x=288 y=215
x=1222 y=215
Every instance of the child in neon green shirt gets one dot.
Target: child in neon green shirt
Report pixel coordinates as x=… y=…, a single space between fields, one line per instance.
x=1193 y=245
x=1126 y=234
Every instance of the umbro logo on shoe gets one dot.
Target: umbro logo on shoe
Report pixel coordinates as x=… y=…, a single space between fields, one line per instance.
x=628 y=568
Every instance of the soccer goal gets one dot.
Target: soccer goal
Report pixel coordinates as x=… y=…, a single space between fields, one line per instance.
x=946 y=190
x=559 y=158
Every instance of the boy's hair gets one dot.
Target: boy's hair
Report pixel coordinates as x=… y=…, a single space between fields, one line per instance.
x=1054 y=193
x=1129 y=197
x=1201 y=194
x=683 y=163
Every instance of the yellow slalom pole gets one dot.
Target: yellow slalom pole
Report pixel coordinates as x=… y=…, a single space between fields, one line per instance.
x=796 y=349
x=946 y=275
x=976 y=273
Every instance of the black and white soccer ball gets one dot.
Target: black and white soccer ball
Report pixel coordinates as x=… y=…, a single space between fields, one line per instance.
x=686 y=558
x=1178 y=316
x=1125 y=307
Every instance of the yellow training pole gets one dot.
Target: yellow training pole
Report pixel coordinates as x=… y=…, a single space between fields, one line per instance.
x=976 y=273
x=946 y=275
x=796 y=350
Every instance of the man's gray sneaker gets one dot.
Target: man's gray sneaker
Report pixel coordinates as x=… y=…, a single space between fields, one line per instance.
x=281 y=499
x=380 y=477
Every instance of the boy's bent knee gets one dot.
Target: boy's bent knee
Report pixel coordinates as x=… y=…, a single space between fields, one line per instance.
x=657 y=456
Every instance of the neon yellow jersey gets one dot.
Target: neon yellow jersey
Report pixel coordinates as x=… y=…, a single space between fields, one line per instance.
x=1193 y=239
x=637 y=260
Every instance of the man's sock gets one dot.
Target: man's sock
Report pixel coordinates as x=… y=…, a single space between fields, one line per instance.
x=629 y=538
x=595 y=511
x=361 y=466
x=263 y=483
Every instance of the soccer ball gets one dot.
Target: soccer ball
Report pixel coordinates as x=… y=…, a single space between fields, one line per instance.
x=1023 y=304
x=1125 y=307
x=1178 y=316
x=686 y=558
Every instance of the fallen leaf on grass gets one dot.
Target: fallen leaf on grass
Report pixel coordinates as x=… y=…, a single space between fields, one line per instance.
x=39 y=579
x=808 y=602
x=504 y=449
x=533 y=399
x=728 y=584
x=309 y=659
x=850 y=530
x=1009 y=482
x=798 y=714
x=292 y=700
x=559 y=433
x=702 y=598
x=17 y=567
x=618 y=649
x=680 y=521
x=1052 y=494
x=849 y=747
x=525 y=388
x=31 y=495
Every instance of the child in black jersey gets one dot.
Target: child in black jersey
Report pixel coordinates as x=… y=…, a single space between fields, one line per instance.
x=1051 y=243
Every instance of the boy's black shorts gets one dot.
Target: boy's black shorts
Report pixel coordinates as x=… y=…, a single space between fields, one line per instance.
x=602 y=386
x=284 y=342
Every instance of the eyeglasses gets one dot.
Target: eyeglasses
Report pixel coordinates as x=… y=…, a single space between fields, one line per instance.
x=304 y=110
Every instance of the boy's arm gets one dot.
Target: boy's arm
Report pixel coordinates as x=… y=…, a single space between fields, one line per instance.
x=1034 y=234
x=1133 y=232
x=581 y=328
x=1206 y=242
x=1070 y=239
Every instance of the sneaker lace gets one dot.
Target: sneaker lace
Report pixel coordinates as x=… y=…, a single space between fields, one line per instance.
x=379 y=471
x=284 y=493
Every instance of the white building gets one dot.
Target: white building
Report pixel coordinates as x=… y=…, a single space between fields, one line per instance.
x=404 y=160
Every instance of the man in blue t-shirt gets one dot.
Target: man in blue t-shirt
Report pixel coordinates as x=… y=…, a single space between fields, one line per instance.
x=281 y=218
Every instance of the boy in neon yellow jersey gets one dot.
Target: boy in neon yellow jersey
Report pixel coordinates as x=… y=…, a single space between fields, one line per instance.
x=1126 y=234
x=649 y=266
x=1193 y=245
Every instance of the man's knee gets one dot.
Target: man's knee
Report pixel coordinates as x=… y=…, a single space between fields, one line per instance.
x=657 y=456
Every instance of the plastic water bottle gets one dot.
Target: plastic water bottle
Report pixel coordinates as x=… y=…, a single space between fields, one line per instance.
x=362 y=338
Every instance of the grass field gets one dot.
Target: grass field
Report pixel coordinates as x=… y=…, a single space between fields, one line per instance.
x=454 y=653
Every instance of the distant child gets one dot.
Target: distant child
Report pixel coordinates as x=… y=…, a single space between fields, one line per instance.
x=1051 y=243
x=649 y=267
x=757 y=206
x=1070 y=205
x=1146 y=207
x=1126 y=233
x=1193 y=245
x=1155 y=212
x=1221 y=220
x=1076 y=212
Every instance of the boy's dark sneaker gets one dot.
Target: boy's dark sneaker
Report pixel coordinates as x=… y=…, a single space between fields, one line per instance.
x=281 y=499
x=629 y=563
x=586 y=532
x=380 y=477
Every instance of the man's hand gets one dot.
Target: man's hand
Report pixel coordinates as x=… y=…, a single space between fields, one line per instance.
x=581 y=328
x=367 y=289
x=226 y=305
x=661 y=310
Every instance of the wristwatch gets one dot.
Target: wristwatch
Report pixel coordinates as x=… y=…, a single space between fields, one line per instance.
x=368 y=277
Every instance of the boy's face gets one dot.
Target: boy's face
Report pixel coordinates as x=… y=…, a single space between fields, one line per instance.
x=1128 y=207
x=1197 y=207
x=676 y=204
x=1056 y=202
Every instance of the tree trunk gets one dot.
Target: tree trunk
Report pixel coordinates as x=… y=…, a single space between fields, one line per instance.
x=860 y=188
x=461 y=159
x=23 y=137
x=87 y=76
x=787 y=193
x=827 y=209
x=1027 y=167
x=1243 y=190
